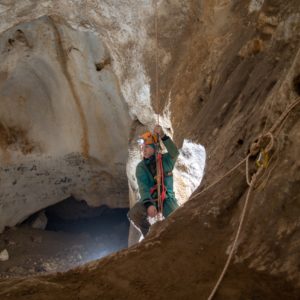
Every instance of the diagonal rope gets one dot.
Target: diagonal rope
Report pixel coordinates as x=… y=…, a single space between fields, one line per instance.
x=251 y=183
x=233 y=248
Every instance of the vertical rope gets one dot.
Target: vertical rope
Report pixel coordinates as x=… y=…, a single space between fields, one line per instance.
x=158 y=171
x=278 y=125
x=242 y=218
x=157 y=100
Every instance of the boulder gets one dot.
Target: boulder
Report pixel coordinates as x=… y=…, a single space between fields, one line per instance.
x=4 y=256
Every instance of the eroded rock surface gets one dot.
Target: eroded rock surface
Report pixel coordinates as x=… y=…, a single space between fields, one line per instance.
x=64 y=123
x=234 y=72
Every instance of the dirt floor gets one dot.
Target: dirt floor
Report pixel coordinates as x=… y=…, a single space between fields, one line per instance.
x=225 y=92
x=187 y=270
x=34 y=252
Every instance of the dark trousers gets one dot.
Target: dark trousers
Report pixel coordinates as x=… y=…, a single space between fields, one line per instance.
x=138 y=216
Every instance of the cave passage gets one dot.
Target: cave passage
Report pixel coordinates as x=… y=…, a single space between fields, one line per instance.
x=76 y=217
x=109 y=227
x=71 y=233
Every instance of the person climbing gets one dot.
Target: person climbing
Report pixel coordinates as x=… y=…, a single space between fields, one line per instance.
x=146 y=175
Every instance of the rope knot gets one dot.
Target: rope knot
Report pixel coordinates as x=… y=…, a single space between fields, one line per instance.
x=254 y=148
x=264 y=143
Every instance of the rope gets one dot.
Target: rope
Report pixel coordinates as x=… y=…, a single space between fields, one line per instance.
x=162 y=196
x=253 y=150
x=283 y=116
x=247 y=170
x=157 y=100
x=159 y=179
x=218 y=180
x=251 y=184
x=254 y=178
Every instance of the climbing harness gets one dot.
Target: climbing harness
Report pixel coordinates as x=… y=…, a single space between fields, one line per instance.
x=260 y=148
x=161 y=171
x=163 y=187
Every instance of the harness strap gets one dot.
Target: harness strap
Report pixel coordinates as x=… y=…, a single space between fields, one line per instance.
x=163 y=192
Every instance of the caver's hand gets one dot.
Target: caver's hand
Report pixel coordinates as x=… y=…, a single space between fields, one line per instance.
x=151 y=211
x=158 y=130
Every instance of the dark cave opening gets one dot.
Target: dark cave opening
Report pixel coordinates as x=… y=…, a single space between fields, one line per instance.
x=63 y=236
x=105 y=224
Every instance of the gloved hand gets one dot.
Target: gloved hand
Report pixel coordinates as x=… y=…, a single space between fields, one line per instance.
x=158 y=130
x=151 y=211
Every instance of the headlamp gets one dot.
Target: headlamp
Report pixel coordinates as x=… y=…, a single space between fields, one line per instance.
x=140 y=142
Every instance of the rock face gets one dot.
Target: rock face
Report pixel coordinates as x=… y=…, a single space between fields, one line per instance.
x=40 y=221
x=64 y=124
x=4 y=256
x=70 y=100
x=233 y=74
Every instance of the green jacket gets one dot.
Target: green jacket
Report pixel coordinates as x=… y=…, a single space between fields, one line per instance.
x=146 y=181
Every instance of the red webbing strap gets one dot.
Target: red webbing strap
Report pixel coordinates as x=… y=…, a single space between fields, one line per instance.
x=160 y=183
x=163 y=190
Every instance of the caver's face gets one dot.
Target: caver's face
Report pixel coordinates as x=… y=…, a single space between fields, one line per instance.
x=148 y=151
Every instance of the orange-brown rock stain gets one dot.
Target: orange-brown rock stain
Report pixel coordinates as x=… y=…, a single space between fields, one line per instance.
x=15 y=137
x=62 y=57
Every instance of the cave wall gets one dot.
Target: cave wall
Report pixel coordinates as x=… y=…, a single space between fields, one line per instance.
x=239 y=75
x=229 y=80
x=58 y=97
x=75 y=88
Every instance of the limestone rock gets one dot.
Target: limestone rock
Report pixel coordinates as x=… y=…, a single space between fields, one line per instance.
x=40 y=221
x=4 y=256
x=64 y=130
x=227 y=72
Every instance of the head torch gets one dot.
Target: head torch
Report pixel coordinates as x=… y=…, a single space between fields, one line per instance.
x=140 y=142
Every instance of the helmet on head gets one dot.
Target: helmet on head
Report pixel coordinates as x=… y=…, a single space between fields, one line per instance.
x=147 y=138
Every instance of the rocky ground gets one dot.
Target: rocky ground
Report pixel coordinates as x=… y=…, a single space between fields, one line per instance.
x=35 y=251
x=231 y=72
x=170 y=264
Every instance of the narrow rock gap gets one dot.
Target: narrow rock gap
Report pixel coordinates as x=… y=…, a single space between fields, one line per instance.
x=296 y=83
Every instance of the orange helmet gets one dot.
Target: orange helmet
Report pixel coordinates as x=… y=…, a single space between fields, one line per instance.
x=147 y=138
